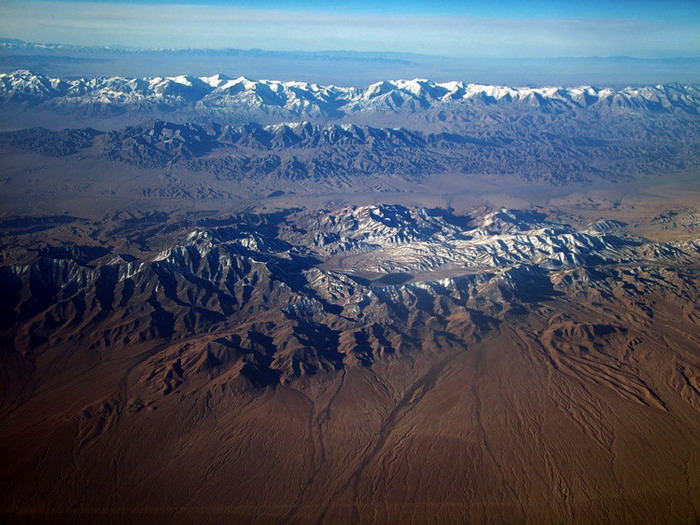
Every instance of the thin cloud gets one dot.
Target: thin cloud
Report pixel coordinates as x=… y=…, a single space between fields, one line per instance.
x=215 y=26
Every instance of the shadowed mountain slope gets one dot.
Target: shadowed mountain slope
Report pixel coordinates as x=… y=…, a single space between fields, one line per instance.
x=518 y=368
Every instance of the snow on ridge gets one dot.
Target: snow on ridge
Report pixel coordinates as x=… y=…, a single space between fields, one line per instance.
x=219 y=89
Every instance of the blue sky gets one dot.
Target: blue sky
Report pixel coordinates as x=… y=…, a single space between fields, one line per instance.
x=506 y=28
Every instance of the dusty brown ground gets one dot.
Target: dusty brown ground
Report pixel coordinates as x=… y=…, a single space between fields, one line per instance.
x=582 y=407
x=564 y=416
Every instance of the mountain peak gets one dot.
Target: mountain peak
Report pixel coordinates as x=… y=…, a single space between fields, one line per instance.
x=301 y=98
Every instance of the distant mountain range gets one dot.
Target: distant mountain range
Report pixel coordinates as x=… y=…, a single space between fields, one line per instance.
x=339 y=153
x=341 y=67
x=381 y=56
x=301 y=99
x=237 y=128
x=11 y=44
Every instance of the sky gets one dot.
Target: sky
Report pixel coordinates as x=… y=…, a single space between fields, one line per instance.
x=505 y=28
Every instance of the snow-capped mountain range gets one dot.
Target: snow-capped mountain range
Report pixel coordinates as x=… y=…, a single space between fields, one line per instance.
x=219 y=92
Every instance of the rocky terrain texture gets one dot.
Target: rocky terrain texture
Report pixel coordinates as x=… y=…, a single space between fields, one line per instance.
x=357 y=364
x=347 y=155
x=271 y=132
x=228 y=300
x=286 y=99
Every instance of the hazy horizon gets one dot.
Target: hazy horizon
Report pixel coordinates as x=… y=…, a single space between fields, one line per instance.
x=345 y=67
x=540 y=29
x=339 y=51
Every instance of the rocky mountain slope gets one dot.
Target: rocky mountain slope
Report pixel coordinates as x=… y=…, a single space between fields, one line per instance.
x=341 y=153
x=300 y=99
x=241 y=129
x=281 y=302
x=302 y=357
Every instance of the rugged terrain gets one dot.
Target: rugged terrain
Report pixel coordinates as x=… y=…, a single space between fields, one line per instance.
x=215 y=137
x=489 y=313
x=239 y=97
x=367 y=363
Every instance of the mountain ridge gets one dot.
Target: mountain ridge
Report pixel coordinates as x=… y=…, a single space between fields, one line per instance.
x=293 y=383
x=302 y=98
x=345 y=152
x=15 y=43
